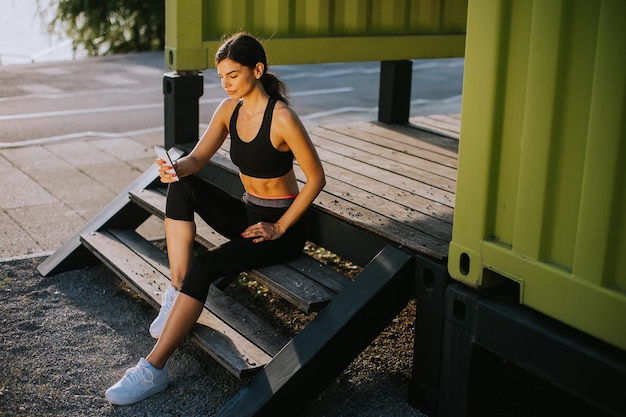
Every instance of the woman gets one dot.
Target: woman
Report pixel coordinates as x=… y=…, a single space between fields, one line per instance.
x=264 y=227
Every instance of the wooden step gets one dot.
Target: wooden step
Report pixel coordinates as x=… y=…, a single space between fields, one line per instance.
x=231 y=334
x=304 y=282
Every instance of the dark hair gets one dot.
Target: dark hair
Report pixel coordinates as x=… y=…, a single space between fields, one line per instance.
x=247 y=50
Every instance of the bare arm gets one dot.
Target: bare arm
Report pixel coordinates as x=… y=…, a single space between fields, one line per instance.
x=296 y=136
x=289 y=128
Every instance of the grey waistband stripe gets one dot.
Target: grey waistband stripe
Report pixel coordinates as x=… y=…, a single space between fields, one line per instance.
x=267 y=202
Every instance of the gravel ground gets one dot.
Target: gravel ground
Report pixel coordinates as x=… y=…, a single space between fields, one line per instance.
x=64 y=339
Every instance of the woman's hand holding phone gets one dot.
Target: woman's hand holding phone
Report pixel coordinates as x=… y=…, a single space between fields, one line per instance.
x=167 y=170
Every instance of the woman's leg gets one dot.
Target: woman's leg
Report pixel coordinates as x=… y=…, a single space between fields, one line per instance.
x=149 y=376
x=223 y=212
x=179 y=236
x=183 y=316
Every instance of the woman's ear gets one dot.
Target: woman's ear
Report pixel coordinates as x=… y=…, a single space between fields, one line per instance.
x=259 y=69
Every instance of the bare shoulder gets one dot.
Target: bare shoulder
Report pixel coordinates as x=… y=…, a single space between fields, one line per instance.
x=225 y=110
x=285 y=117
x=288 y=128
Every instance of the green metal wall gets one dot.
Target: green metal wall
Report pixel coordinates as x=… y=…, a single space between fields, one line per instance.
x=315 y=31
x=320 y=18
x=541 y=183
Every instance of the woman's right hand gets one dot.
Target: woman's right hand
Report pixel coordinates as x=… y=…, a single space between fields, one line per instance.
x=166 y=171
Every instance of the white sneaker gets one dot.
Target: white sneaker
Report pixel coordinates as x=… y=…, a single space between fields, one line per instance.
x=138 y=383
x=169 y=296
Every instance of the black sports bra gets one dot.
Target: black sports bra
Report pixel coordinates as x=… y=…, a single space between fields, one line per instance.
x=258 y=158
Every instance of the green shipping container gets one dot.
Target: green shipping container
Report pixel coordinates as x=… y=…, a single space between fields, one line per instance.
x=541 y=192
x=316 y=31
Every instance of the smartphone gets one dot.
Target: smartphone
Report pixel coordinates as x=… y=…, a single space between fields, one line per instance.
x=164 y=155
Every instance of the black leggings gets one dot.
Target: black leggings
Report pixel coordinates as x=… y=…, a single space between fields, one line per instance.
x=229 y=217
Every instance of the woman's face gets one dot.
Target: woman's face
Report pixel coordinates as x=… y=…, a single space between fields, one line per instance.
x=238 y=80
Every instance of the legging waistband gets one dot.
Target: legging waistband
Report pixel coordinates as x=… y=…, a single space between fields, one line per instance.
x=282 y=202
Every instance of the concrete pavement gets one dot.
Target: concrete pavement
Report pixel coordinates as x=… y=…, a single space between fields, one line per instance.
x=51 y=190
x=74 y=134
x=53 y=186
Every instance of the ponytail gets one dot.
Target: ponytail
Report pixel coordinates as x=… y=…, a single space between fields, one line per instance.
x=274 y=87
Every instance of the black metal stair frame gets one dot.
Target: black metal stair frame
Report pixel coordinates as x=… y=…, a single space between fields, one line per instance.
x=327 y=345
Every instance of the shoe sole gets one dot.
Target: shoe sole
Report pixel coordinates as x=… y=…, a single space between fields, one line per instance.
x=113 y=399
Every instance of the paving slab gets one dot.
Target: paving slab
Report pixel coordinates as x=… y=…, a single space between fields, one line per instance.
x=34 y=157
x=49 y=225
x=116 y=176
x=15 y=241
x=80 y=153
x=77 y=190
x=124 y=149
x=20 y=190
x=5 y=165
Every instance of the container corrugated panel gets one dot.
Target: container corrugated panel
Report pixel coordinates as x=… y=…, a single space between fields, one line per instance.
x=314 y=18
x=313 y=31
x=541 y=191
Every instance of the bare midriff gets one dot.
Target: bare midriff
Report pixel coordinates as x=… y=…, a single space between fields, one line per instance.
x=280 y=187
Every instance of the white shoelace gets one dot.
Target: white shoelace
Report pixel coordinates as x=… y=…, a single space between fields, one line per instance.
x=169 y=301
x=133 y=374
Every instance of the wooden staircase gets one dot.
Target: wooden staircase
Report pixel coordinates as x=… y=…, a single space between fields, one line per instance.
x=229 y=332
x=289 y=372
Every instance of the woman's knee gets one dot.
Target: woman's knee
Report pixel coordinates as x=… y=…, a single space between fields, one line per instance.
x=179 y=201
x=200 y=275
